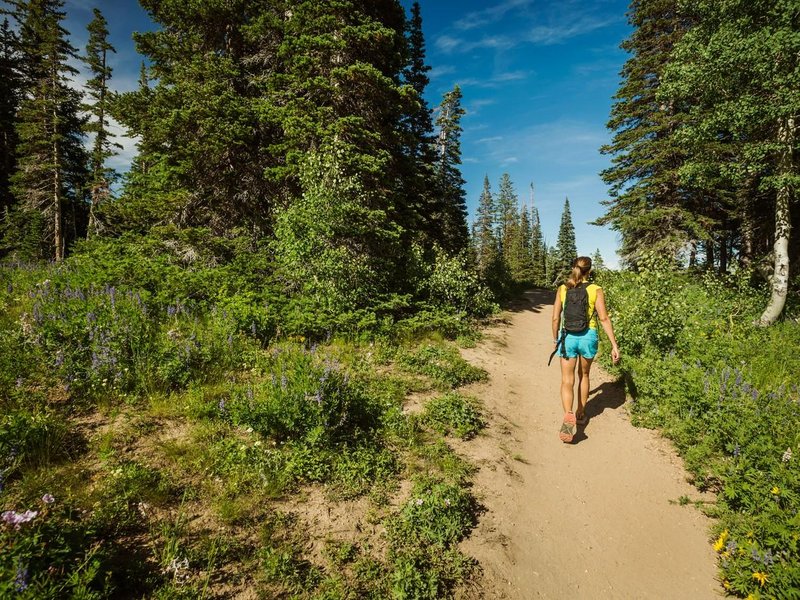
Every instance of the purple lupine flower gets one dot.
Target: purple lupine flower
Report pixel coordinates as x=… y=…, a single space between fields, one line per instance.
x=21 y=579
x=754 y=393
x=284 y=382
x=91 y=317
x=16 y=519
x=230 y=339
x=48 y=498
x=249 y=393
x=171 y=311
x=738 y=381
x=768 y=559
x=318 y=397
x=737 y=450
x=221 y=406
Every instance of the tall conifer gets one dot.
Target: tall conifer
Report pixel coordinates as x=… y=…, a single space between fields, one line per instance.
x=566 y=250
x=50 y=179
x=100 y=96
x=453 y=217
x=10 y=96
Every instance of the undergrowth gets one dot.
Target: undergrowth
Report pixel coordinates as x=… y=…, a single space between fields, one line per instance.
x=726 y=392
x=163 y=420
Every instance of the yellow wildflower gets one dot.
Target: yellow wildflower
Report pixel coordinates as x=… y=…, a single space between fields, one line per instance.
x=726 y=584
x=720 y=543
x=760 y=577
x=750 y=597
x=776 y=490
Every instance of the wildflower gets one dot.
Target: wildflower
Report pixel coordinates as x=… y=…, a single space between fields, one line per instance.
x=253 y=328
x=419 y=501
x=720 y=543
x=787 y=456
x=447 y=501
x=222 y=406
x=737 y=450
x=59 y=358
x=21 y=579
x=760 y=577
x=776 y=491
x=16 y=519
x=48 y=498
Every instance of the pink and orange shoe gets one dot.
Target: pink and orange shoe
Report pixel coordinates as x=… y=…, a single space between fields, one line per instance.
x=567 y=431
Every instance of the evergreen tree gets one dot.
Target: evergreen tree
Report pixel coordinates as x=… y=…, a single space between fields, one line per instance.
x=598 y=264
x=97 y=49
x=485 y=240
x=423 y=197
x=205 y=141
x=648 y=204
x=538 y=250
x=10 y=96
x=452 y=220
x=521 y=263
x=507 y=214
x=50 y=180
x=566 y=250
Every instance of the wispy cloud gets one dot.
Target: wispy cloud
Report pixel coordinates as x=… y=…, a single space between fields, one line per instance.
x=487 y=16
x=546 y=35
x=440 y=71
x=547 y=25
x=495 y=81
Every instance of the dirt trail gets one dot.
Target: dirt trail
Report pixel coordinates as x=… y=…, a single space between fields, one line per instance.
x=587 y=520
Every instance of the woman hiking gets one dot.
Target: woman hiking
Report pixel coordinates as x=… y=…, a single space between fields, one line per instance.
x=581 y=304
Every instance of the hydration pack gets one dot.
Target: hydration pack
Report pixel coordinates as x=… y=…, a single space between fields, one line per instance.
x=576 y=309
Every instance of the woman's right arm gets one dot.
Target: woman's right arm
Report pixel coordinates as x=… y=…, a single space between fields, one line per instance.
x=556 y=315
x=605 y=321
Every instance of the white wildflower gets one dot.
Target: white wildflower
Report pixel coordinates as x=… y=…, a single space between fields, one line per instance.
x=787 y=456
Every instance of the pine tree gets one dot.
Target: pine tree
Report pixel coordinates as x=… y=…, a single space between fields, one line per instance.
x=423 y=197
x=648 y=204
x=452 y=220
x=485 y=240
x=521 y=264
x=598 y=264
x=51 y=175
x=538 y=250
x=507 y=214
x=10 y=97
x=566 y=251
x=101 y=176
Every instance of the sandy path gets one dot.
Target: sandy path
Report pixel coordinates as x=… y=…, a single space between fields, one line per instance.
x=587 y=520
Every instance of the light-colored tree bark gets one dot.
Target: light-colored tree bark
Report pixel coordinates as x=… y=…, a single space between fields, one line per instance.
x=780 y=276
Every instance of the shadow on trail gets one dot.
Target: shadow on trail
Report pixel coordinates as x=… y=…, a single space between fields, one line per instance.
x=609 y=395
x=535 y=300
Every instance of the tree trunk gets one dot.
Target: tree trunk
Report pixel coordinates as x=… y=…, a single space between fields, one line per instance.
x=723 y=254
x=780 y=277
x=709 y=247
x=57 y=217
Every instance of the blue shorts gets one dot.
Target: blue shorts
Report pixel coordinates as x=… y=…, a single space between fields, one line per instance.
x=584 y=343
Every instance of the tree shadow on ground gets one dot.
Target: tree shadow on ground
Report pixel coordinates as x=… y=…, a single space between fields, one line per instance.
x=609 y=395
x=534 y=300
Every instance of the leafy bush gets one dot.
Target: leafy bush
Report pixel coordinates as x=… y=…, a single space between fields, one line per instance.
x=443 y=364
x=725 y=391
x=454 y=413
x=423 y=540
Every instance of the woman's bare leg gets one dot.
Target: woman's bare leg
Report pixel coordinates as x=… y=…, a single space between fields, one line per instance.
x=567 y=382
x=584 y=366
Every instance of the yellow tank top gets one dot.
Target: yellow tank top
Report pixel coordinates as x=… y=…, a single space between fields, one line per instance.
x=591 y=291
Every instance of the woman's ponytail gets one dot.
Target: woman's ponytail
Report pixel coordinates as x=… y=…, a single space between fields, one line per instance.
x=580 y=269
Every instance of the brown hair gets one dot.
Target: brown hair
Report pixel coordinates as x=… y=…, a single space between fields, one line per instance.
x=580 y=269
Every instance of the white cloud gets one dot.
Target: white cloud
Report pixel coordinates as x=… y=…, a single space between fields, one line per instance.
x=487 y=16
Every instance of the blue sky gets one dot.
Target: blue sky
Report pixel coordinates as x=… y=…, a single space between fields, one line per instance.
x=537 y=76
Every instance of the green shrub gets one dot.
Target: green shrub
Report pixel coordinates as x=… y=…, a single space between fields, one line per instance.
x=725 y=391
x=443 y=364
x=454 y=413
